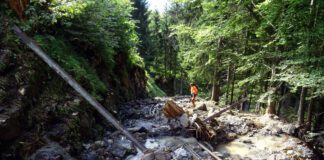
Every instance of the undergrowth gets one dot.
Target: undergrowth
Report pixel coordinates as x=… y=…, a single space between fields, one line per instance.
x=152 y=89
x=62 y=52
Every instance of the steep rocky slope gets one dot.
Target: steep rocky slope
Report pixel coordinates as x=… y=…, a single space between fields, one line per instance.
x=38 y=107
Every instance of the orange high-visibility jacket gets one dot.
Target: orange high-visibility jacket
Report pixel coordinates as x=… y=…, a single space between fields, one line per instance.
x=194 y=90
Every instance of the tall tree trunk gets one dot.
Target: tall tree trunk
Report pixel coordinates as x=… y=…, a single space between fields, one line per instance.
x=257 y=107
x=312 y=23
x=216 y=88
x=216 y=78
x=310 y=114
x=174 y=85
x=319 y=115
x=228 y=83
x=271 y=109
x=282 y=93
x=265 y=89
x=258 y=104
x=233 y=82
x=215 y=92
x=181 y=83
x=244 y=105
x=165 y=58
x=297 y=101
x=250 y=101
x=301 y=108
x=279 y=108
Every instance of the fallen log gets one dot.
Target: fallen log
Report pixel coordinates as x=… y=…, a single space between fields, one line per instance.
x=228 y=107
x=52 y=64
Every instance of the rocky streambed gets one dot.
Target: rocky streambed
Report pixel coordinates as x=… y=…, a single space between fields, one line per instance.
x=237 y=135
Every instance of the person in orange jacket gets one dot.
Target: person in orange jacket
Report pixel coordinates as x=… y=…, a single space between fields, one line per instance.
x=194 y=93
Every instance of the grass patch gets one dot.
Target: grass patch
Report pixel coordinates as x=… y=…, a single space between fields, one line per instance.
x=152 y=89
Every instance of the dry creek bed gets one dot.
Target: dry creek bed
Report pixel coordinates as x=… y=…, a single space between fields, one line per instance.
x=239 y=135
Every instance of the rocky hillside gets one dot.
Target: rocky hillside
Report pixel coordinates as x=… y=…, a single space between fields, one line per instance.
x=36 y=106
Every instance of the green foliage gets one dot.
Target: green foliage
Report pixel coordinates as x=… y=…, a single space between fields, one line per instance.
x=253 y=35
x=140 y=14
x=62 y=8
x=162 y=62
x=100 y=29
x=137 y=60
x=152 y=89
x=84 y=36
x=105 y=26
x=81 y=70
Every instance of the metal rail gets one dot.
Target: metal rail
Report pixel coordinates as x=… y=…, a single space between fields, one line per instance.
x=52 y=64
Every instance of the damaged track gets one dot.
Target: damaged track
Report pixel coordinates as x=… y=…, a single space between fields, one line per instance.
x=236 y=135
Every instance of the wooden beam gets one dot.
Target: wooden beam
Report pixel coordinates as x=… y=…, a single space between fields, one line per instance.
x=228 y=107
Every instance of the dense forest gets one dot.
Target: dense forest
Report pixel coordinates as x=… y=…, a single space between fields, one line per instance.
x=268 y=51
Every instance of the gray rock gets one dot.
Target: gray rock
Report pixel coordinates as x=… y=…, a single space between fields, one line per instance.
x=57 y=131
x=125 y=143
x=99 y=143
x=181 y=153
x=184 y=120
x=52 y=151
x=247 y=141
x=86 y=146
x=90 y=156
x=288 y=128
x=290 y=152
x=148 y=156
x=121 y=147
x=160 y=155
x=202 y=107
x=118 y=151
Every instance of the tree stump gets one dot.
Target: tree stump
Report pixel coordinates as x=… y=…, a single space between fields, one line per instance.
x=172 y=110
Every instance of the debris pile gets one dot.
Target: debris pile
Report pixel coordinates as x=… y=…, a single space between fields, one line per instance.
x=172 y=129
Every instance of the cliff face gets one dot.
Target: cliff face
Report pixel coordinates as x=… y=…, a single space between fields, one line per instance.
x=38 y=107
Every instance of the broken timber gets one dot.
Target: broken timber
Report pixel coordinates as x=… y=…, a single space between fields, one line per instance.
x=172 y=110
x=228 y=107
x=202 y=132
x=193 y=153
x=209 y=151
x=52 y=64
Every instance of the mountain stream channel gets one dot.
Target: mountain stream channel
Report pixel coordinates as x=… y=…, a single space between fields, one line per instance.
x=237 y=135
